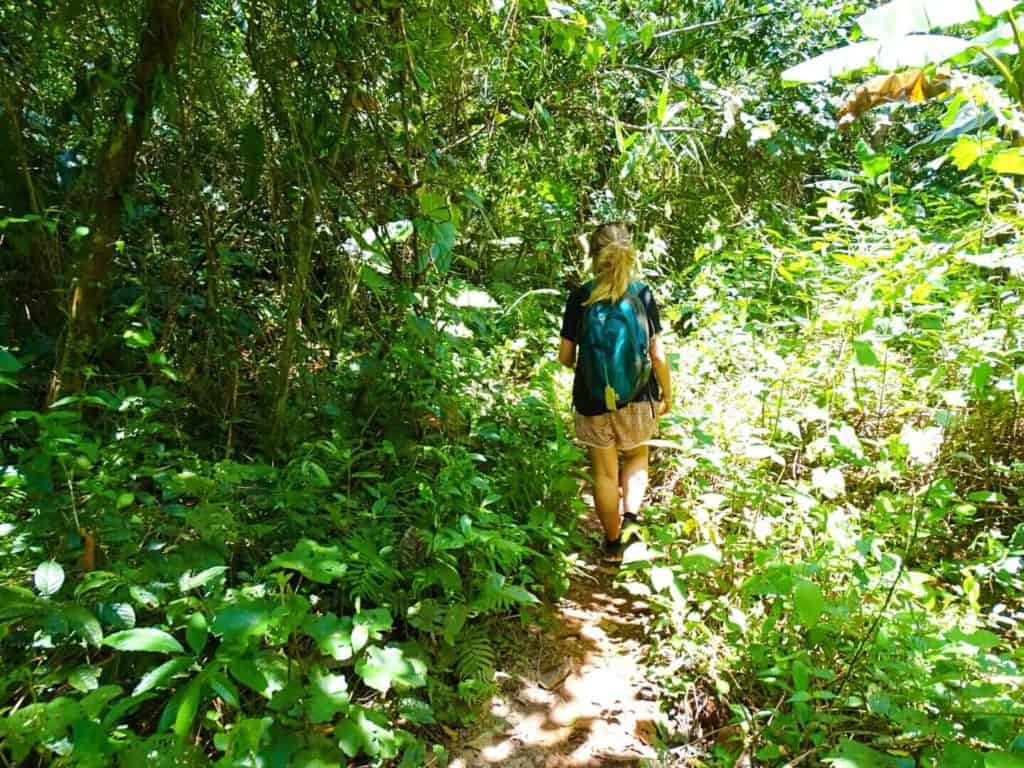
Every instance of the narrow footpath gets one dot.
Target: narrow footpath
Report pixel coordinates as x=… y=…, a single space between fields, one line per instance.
x=577 y=696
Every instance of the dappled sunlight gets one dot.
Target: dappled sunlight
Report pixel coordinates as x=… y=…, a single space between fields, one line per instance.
x=585 y=701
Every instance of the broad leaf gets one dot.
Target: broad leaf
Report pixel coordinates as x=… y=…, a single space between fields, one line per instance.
x=332 y=635
x=187 y=581
x=188 y=707
x=887 y=55
x=162 y=674
x=316 y=562
x=853 y=754
x=904 y=17
x=117 y=615
x=329 y=696
x=8 y=362
x=85 y=679
x=830 y=482
x=144 y=639
x=1003 y=760
x=139 y=338
x=84 y=624
x=49 y=578
x=1009 y=161
x=196 y=632
x=383 y=667
x=237 y=622
x=809 y=602
x=366 y=731
x=702 y=558
x=865 y=353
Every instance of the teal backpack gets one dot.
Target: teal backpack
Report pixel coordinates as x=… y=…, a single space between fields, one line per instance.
x=614 y=358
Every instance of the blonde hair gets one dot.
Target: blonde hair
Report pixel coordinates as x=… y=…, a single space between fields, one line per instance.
x=614 y=261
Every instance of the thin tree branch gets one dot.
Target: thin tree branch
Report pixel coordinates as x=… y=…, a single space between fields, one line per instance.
x=716 y=23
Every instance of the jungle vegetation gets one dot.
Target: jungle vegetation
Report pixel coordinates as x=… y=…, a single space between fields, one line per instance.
x=285 y=452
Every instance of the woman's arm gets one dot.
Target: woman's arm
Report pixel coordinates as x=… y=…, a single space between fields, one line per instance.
x=567 y=353
x=659 y=360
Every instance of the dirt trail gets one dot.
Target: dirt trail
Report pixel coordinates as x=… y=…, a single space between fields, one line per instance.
x=577 y=697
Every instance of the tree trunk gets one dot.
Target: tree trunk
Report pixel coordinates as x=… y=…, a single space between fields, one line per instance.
x=161 y=30
x=305 y=237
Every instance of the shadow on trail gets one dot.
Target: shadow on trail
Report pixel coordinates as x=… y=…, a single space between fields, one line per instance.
x=578 y=697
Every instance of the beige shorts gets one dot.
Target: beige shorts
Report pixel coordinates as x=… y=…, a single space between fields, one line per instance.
x=624 y=429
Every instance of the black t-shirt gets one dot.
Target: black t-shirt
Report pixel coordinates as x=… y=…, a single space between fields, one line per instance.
x=570 y=330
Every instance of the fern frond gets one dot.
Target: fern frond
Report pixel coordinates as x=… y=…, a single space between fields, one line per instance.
x=475 y=656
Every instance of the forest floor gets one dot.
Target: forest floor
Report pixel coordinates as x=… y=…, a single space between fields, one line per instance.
x=577 y=694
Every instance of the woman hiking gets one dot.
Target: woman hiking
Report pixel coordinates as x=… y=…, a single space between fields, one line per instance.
x=611 y=338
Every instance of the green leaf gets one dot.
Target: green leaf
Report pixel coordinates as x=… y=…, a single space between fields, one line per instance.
x=1003 y=760
x=853 y=754
x=981 y=374
x=872 y=163
x=188 y=582
x=809 y=602
x=360 y=636
x=702 y=558
x=329 y=697
x=84 y=624
x=144 y=639
x=237 y=622
x=888 y=55
x=383 y=667
x=1008 y=161
x=316 y=562
x=266 y=673
x=433 y=204
x=365 y=731
x=162 y=674
x=519 y=595
x=196 y=632
x=117 y=615
x=223 y=687
x=332 y=635
x=980 y=638
x=125 y=500
x=830 y=481
x=49 y=578
x=85 y=679
x=646 y=35
x=865 y=354
x=139 y=338
x=454 y=621
x=416 y=711
x=143 y=596
x=188 y=706
x=8 y=362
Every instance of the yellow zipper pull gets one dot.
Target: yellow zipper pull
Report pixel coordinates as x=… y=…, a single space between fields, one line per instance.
x=609 y=397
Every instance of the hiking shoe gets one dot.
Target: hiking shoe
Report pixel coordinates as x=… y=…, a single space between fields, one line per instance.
x=613 y=549
x=630 y=518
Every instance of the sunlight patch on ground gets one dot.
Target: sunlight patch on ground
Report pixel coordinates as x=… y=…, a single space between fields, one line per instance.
x=585 y=701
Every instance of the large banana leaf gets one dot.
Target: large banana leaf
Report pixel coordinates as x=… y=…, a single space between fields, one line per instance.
x=904 y=17
x=999 y=40
x=885 y=55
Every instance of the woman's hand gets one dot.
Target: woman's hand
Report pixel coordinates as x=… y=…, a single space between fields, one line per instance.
x=664 y=406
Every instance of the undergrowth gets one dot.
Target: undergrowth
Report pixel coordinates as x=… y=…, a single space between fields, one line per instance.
x=837 y=543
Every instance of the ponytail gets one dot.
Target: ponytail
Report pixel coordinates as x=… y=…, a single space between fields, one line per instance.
x=614 y=262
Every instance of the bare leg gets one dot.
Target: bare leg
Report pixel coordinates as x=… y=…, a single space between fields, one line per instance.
x=604 y=463
x=634 y=479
